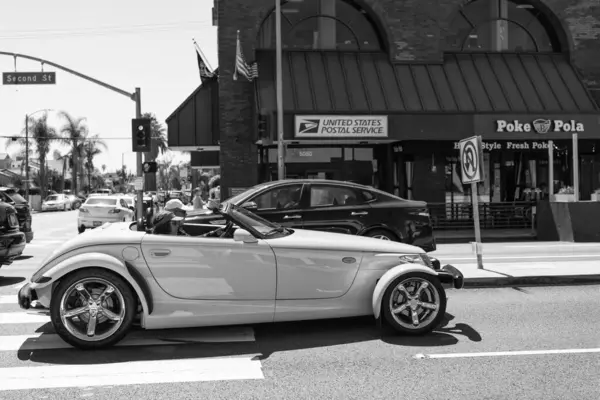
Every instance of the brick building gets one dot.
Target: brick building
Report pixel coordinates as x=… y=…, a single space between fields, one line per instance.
x=380 y=91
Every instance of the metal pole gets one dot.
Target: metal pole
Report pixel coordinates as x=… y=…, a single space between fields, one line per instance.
x=279 y=90
x=550 y=170
x=475 y=202
x=27 y=157
x=576 y=167
x=139 y=173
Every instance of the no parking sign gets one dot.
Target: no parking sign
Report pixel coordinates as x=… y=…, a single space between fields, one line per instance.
x=471 y=160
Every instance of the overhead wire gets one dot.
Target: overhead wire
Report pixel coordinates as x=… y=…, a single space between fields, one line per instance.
x=102 y=31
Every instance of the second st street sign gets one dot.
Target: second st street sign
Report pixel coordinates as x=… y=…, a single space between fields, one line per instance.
x=29 y=78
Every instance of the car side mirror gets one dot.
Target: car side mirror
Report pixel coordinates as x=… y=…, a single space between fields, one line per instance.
x=132 y=208
x=250 y=205
x=242 y=235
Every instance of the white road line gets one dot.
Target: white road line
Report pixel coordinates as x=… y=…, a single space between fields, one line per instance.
x=22 y=318
x=131 y=373
x=12 y=299
x=517 y=257
x=46 y=341
x=508 y=353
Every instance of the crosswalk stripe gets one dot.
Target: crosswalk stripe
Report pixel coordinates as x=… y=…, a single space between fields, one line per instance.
x=22 y=318
x=46 y=341
x=8 y=299
x=131 y=373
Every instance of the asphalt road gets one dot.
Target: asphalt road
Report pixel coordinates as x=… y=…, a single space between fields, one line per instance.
x=512 y=343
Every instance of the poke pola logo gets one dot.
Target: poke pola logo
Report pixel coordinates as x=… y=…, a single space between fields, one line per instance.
x=309 y=126
x=539 y=125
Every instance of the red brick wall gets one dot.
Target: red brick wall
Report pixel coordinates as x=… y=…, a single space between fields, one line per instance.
x=415 y=31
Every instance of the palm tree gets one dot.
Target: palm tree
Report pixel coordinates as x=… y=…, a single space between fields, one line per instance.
x=42 y=135
x=158 y=145
x=92 y=146
x=73 y=131
x=65 y=159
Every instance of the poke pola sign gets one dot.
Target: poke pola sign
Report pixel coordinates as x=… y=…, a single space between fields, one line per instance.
x=342 y=126
x=540 y=126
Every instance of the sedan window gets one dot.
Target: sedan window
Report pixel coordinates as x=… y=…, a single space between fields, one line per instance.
x=101 y=202
x=324 y=196
x=279 y=198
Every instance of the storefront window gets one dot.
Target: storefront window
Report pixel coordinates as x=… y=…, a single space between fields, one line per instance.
x=502 y=26
x=321 y=25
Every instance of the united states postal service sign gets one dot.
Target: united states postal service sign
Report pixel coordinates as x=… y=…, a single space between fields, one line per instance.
x=342 y=126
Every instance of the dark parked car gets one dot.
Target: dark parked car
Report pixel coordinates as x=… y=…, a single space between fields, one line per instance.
x=12 y=240
x=335 y=206
x=10 y=196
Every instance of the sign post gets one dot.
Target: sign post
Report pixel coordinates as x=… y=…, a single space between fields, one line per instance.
x=471 y=161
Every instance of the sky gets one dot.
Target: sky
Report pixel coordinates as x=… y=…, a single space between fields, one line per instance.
x=127 y=44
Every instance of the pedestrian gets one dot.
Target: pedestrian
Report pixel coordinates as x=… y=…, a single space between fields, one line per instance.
x=197 y=202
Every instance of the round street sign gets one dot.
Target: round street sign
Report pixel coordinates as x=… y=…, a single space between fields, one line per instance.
x=470 y=160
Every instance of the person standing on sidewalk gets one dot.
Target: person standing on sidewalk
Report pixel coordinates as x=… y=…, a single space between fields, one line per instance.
x=197 y=202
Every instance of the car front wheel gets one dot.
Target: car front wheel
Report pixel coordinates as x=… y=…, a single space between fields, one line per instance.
x=92 y=308
x=414 y=303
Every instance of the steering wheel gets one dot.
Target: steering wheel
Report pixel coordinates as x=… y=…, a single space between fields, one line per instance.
x=220 y=232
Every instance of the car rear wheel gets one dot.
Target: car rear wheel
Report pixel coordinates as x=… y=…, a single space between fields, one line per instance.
x=382 y=235
x=92 y=308
x=414 y=303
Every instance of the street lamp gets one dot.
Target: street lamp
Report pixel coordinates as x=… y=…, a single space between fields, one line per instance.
x=27 y=149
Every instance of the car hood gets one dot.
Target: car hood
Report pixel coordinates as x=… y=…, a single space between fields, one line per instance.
x=109 y=233
x=308 y=239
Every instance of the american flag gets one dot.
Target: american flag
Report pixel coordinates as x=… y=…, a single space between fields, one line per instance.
x=250 y=72
x=205 y=72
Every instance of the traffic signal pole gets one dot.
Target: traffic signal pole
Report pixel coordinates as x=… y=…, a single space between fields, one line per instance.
x=138 y=155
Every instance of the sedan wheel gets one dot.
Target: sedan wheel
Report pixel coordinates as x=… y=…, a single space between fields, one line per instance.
x=414 y=303
x=381 y=235
x=92 y=308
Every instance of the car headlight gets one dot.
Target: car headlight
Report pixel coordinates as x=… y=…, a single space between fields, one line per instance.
x=422 y=259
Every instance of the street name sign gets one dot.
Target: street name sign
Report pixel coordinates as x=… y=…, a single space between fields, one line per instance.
x=139 y=183
x=471 y=160
x=29 y=78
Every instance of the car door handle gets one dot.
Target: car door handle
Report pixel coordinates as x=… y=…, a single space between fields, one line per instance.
x=160 y=253
x=292 y=217
x=353 y=213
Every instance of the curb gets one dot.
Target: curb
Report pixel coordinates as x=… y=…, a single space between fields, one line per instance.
x=511 y=281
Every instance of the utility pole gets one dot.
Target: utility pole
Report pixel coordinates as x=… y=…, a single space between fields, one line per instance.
x=27 y=157
x=279 y=93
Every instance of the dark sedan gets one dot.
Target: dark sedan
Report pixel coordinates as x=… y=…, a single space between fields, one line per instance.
x=342 y=207
x=10 y=196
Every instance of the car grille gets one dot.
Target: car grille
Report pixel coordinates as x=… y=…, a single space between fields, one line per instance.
x=427 y=260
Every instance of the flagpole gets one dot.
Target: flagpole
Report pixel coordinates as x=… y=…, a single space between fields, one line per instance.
x=279 y=93
x=203 y=56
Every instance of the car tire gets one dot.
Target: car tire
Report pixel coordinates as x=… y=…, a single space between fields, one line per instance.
x=432 y=293
x=65 y=207
x=382 y=235
x=122 y=303
x=81 y=229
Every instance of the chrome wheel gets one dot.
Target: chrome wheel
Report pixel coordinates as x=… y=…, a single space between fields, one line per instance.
x=415 y=303
x=381 y=237
x=92 y=309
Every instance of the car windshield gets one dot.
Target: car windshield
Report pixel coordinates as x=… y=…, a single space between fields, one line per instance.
x=253 y=221
x=17 y=198
x=98 y=201
x=245 y=194
x=52 y=197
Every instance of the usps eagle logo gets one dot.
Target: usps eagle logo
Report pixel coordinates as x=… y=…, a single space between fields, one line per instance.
x=309 y=126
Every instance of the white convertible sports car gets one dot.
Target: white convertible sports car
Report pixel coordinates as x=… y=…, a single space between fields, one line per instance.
x=246 y=271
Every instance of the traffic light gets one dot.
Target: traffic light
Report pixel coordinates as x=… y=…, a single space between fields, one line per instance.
x=149 y=167
x=264 y=125
x=140 y=135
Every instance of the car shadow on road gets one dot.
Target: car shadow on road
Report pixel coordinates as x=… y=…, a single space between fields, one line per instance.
x=12 y=280
x=270 y=339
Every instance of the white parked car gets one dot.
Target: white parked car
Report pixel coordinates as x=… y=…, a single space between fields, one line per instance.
x=100 y=209
x=245 y=272
x=55 y=202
